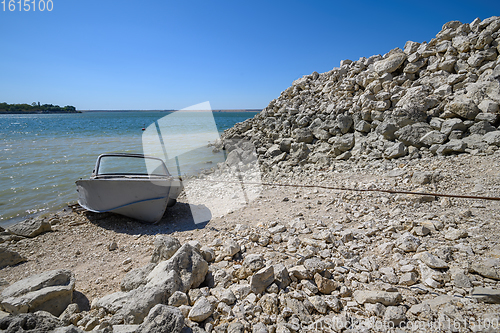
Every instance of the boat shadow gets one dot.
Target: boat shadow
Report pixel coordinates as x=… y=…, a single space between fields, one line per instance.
x=178 y=218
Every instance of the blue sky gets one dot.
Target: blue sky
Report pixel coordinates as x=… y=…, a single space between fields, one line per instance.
x=161 y=54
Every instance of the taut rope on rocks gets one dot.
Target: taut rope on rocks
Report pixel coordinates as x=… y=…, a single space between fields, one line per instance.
x=446 y=195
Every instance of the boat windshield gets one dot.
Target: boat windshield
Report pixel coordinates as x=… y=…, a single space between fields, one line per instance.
x=130 y=165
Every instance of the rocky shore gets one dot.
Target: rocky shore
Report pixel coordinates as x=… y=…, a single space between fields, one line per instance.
x=292 y=260
x=433 y=98
x=304 y=259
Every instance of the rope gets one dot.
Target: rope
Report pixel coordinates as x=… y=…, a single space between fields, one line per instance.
x=460 y=196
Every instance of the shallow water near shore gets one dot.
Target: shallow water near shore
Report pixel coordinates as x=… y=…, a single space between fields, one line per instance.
x=43 y=155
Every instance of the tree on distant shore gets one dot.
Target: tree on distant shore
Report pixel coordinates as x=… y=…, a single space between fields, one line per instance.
x=36 y=108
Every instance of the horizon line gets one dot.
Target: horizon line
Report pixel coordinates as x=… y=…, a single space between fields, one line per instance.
x=174 y=110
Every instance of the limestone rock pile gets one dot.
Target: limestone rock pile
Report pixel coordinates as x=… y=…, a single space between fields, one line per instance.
x=437 y=97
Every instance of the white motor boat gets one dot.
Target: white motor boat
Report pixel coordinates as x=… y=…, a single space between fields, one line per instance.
x=133 y=185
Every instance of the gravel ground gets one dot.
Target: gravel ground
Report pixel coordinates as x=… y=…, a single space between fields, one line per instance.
x=101 y=248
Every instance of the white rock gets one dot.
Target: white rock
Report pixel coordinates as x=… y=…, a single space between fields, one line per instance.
x=395 y=314
x=319 y=304
x=9 y=257
x=390 y=64
x=201 y=310
x=370 y=296
x=408 y=279
x=488 y=106
x=231 y=247
x=431 y=260
x=262 y=279
x=454 y=234
x=300 y=272
x=50 y=291
x=492 y=138
x=30 y=227
x=164 y=247
x=408 y=243
x=240 y=290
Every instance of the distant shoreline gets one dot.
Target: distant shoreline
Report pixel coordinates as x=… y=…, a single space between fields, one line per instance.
x=89 y=111
x=38 y=112
x=35 y=108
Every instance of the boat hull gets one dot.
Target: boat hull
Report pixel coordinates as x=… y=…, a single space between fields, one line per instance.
x=141 y=199
x=176 y=188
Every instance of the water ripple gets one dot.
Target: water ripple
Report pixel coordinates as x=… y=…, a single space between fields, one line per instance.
x=43 y=155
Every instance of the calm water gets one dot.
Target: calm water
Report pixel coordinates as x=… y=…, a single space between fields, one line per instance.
x=41 y=156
